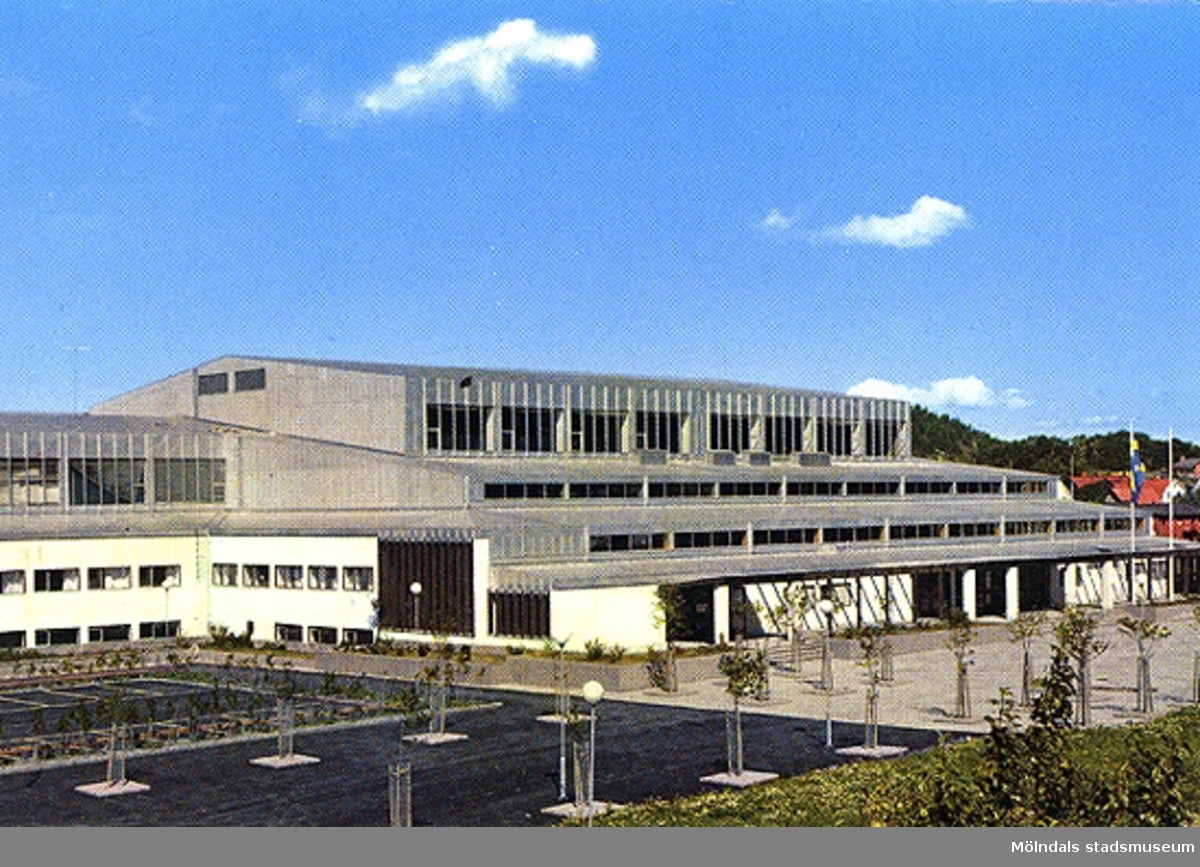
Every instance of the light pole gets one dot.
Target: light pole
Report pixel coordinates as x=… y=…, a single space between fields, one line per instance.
x=564 y=710
x=592 y=693
x=415 y=589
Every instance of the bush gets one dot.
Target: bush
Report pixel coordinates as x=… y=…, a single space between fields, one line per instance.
x=593 y=650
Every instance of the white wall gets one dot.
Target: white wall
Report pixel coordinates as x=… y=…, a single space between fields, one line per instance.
x=232 y=607
x=616 y=615
x=82 y=608
x=194 y=602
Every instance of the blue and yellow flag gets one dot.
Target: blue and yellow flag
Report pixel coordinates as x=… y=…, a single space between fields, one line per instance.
x=1137 y=471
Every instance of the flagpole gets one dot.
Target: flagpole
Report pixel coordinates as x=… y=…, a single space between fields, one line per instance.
x=1170 y=514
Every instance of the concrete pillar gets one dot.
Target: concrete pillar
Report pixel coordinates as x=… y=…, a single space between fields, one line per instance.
x=721 y=612
x=1012 y=592
x=968 y=593
x=1070 y=583
x=1109 y=578
x=481 y=580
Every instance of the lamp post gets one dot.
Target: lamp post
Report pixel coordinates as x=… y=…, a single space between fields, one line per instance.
x=564 y=710
x=592 y=693
x=415 y=589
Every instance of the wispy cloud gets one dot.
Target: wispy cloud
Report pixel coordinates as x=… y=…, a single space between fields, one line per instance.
x=485 y=64
x=928 y=220
x=966 y=391
x=776 y=221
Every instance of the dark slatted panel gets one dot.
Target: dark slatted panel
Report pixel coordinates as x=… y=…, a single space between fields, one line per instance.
x=446 y=574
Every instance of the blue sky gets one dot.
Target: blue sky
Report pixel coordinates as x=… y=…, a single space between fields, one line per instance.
x=990 y=208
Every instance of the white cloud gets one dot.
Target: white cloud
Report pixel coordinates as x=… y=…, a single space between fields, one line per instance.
x=775 y=222
x=929 y=219
x=485 y=63
x=966 y=391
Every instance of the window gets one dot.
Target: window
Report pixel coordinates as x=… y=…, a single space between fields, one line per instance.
x=682 y=489
x=786 y=536
x=224 y=574
x=871 y=489
x=289 y=577
x=12 y=581
x=254 y=379
x=881 y=438
x=710 y=539
x=629 y=542
x=62 y=635
x=523 y=491
x=55 y=580
x=212 y=383
x=358 y=637
x=358 y=577
x=452 y=427
x=595 y=432
x=527 y=429
x=784 y=434
x=322 y=635
x=189 y=480
x=158 y=629
x=29 y=482
x=254 y=575
x=658 y=431
x=749 y=489
x=158 y=576
x=107 y=481
x=814 y=489
x=728 y=433
x=12 y=640
x=834 y=437
x=605 y=490
x=322 y=577
x=289 y=632
x=916 y=486
x=110 y=578
x=115 y=632
x=979 y=487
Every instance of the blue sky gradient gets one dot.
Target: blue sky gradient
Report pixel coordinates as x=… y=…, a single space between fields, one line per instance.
x=990 y=208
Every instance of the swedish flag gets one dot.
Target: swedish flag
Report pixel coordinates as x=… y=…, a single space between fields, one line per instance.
x=1137 y=471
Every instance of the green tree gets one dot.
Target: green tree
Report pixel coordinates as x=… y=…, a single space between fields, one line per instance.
x=960 y=634
x=745 y=674
x=1076 y=634
x=670 y=616
x=1024 y=629
x=1147 y=634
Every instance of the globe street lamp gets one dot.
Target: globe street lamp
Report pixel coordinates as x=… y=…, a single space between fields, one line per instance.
x=415 y=589
x=592 y=693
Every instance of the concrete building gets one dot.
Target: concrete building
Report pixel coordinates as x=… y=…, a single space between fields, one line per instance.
x=333 y=502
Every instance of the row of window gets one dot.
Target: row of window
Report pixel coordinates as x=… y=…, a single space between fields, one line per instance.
x=253 y=379
x=464 y=427
x=670 y=490
x=322 y=634
x=111 y=481
x=13 y=581
x=290 y=577
x=109 y=632
x=831 y=535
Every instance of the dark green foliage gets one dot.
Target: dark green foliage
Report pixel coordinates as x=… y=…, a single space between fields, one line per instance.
x=943 y=438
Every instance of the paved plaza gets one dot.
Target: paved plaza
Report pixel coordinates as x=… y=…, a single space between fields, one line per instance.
x=505 y=770
x=921 y=693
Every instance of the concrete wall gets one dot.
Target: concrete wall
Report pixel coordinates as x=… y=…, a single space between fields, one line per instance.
x=294 y=474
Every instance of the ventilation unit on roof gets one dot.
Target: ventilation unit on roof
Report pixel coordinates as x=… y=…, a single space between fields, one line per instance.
x=759 y=459
x=813 y=459
x=722 y=459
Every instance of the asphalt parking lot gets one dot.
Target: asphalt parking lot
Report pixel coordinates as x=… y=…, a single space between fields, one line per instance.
x=503 y=774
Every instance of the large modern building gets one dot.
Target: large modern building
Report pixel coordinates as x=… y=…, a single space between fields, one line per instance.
x=333 y=502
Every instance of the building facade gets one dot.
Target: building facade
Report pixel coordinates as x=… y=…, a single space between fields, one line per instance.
x=331 y=502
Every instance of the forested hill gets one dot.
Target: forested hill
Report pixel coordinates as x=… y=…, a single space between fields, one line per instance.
x=941 y=437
